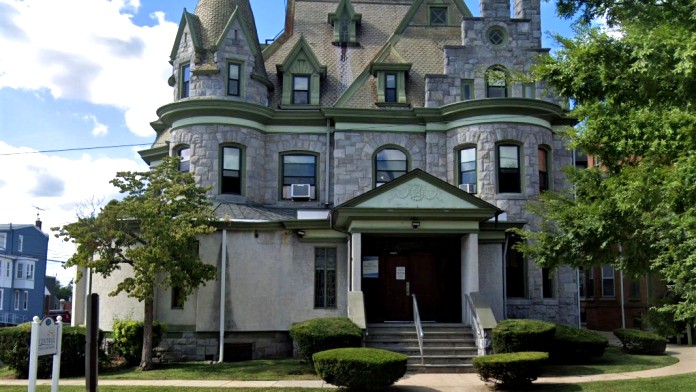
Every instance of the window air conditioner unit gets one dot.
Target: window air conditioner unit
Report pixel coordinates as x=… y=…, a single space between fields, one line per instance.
x=300 y=191
x=468 y=188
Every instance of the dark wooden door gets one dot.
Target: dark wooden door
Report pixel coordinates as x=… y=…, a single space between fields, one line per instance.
x=423 y=281
x=396 y=304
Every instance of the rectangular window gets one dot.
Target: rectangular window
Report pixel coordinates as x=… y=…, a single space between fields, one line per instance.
x=233 y=80
x=3 y=240
x=8 y=267
x=177 y=298
x=231 y=171
x=547 y=286
x=529 y=90
x=16 y=300
x=515 y=272
x=25 y=303
x=467 y=169
x=20 y=244
x=467 y=89
x=634 y=293
x=608 y=281
x=390 y=87
x=299 y=169
x=581 y=283
x=590 y=282
x=543 y=170
x=300 y=90
x=30 y=271
x=580 y=160
x=20 y=271
x=325 y=277
x=509 y=175
x=438 y=16
x=185 y=81
x=2 y=298
x=185 y=155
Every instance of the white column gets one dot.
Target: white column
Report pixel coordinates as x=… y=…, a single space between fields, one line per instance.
x=356 y=262
x=223 y=296
x=469 y=270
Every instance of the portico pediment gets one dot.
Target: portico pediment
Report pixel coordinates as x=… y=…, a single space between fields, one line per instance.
x=414 y=196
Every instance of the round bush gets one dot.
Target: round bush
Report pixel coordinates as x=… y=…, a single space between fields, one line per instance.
x=128 y=338
x=510 y=369
x=313 y=336
x=641 y=342
x=359 y=368
x=575 y=345
x=512 y=336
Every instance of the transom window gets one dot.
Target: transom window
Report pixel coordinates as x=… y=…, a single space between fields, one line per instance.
x=299 y=169
x=390 y=87
x=467 y=169
x=438 y=16
x=185 y=80
x=325 y=277
x=233 y=86
x=543 y=170
x=231 y=171
x=185 y=155
x=390 y=163
x=300 y=90
x=496 y=83
x=509 y=174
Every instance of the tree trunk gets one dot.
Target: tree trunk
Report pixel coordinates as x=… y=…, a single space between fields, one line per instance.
x=146 y=357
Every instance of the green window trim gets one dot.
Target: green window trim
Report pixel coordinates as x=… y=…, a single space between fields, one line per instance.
x=301 y=62
x=529 y=90
x=299 y=168
x=232 y=170
x=185 y=77
x=468 y=169
x=509 y=168
x=497 y=85
x=389 y=163
x=438 y=15
x=235 y=79
x=467 y=89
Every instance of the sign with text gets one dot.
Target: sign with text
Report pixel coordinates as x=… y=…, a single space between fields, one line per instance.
x=370 y=267
x=48 y=334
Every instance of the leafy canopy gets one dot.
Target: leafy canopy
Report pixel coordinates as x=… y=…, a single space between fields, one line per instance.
x=634 y=97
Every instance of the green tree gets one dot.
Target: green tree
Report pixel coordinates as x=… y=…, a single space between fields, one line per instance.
x=64 y=292
x=633 y=91
x=152 y=230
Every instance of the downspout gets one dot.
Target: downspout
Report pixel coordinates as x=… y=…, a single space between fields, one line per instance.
x=327 y=163
x=223 y=288
x=505 y=248
x=623 y=301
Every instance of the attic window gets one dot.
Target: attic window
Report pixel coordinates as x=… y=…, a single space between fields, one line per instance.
x=438 y=16
x=344 y=22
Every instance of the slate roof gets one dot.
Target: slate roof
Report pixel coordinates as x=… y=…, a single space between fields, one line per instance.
x=242 y=212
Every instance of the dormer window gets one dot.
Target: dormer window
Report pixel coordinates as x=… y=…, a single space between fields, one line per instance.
x=390 y=87
x=301 y=73
x=344 y=22
x=390 y=69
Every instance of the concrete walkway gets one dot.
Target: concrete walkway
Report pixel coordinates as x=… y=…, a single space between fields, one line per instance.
x=419 y=382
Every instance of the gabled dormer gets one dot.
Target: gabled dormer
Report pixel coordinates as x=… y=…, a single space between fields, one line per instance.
x=301 y=73
x=345 y=23
x=390 y=69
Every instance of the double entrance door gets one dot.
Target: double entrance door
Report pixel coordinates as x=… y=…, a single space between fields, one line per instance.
x=396 y=269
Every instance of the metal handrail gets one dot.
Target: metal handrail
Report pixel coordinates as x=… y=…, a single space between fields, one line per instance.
x=419 y=327
x=472 y=317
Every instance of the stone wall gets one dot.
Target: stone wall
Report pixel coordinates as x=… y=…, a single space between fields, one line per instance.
x=204 y=346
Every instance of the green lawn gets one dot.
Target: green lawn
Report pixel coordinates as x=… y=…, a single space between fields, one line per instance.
x=613 y=361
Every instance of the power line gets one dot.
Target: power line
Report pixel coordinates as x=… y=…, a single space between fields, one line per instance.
x=76 y=149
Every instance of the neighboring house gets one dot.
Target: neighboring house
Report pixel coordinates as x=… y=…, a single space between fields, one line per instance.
x=376 y=149
x=23 y=250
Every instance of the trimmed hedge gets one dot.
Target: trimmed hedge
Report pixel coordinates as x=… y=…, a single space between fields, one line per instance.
x=641 y=342
x=313 y=336
x=511 y=336
x=14 y=352
x=575 y=345
x=359 y=368
x=510 y=369
x=128 y=339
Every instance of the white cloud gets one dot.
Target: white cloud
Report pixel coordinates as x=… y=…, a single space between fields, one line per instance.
x=57 y=185
x=88 y=50
x=98 y=129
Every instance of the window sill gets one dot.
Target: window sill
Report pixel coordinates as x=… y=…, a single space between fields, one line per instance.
x=299 y=107
x=517 y=301
x=510 y=196
x=393 y=104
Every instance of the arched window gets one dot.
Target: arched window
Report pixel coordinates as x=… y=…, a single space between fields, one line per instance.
x=390 y=163
x=496 y=82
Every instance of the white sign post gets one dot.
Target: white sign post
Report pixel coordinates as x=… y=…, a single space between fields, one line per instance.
x=46 y=337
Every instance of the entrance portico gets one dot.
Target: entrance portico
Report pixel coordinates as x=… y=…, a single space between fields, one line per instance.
x=416 y=235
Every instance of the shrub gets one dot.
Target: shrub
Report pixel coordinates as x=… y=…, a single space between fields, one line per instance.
x=512 y=336
x=14 y=352
x=577 y=345
x=640 y=342
x=510 y=369
x=128 y=339
x=313 y=336
x=360 y=368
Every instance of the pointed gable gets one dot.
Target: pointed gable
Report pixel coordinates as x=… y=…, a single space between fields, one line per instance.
x=190 y=21
x=416 y=194
x=345 y=21
x=301 y=62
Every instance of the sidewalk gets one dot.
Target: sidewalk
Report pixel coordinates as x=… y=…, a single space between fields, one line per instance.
x=419 y=382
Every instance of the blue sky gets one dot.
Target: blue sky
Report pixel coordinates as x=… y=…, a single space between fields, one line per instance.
x=77 y=74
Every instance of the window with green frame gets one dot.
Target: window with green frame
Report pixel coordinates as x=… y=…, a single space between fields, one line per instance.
x=467 y=169
x=509 y=170
x=324 y=277
x=300 y=89
x=231 y=170
x=390 y=87
x=299 y=168
x=234 y=86
x=438 y=16
x=467 y=87
x=185 y=76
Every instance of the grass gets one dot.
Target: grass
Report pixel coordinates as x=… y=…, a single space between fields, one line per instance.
x=613 y=361
x=680 y=383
